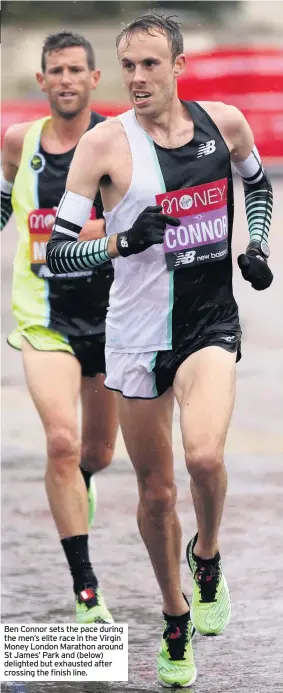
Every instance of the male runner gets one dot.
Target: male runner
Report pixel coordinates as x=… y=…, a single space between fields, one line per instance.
x=173 y=326
x=61 y=320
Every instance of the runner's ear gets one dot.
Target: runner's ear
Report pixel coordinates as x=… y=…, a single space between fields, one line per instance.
x=179 y=65
x=95 y=77
x=41 y=81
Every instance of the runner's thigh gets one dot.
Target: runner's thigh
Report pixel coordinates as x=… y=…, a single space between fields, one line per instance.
x=53 y=379
x=147 y=429
x=204 y=387
x=99 y=414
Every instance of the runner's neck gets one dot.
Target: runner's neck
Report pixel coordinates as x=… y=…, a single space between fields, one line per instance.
x=170 y=127
x=60 y=135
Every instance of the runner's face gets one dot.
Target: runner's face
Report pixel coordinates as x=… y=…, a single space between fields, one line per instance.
x=68 y=81
x=148 y=71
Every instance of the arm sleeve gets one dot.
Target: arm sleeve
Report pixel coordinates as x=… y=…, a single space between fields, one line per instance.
x=64 y=254
x=258 y=195
x=6 y=204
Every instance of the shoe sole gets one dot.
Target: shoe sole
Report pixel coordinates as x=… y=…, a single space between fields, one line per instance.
x=179 y=685
x=88 y=618
x=89 y=622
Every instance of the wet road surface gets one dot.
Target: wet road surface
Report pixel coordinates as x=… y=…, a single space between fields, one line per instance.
x=36 y=586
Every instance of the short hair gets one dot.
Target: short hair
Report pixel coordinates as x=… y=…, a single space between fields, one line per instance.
x=66 y=39
x=168 y=26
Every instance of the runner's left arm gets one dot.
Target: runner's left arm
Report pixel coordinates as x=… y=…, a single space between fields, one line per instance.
x=258 y=202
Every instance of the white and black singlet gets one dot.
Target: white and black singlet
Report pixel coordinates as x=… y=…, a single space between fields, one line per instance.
x=176 y=297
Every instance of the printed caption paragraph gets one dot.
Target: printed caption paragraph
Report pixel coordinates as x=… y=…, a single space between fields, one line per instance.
x=45 y=652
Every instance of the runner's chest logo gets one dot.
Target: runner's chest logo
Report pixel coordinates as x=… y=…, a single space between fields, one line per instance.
x=207 y=148
x=37 y=162
x=203 y=232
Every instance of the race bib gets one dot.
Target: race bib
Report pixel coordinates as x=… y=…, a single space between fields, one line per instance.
x=203 y=233
x=40 y=222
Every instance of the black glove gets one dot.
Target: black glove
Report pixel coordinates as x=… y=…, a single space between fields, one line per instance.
x=147 y=230
x=255 y=269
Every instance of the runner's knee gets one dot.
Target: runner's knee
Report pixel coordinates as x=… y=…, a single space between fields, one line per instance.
x=156 y=496
x=63 y=449
x=203 y=460
x=97 y=456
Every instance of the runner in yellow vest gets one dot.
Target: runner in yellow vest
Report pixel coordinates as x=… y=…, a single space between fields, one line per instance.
x=61 y=319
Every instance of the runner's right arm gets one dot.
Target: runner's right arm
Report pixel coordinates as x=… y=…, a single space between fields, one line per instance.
x=11 y=156
x=89 y=164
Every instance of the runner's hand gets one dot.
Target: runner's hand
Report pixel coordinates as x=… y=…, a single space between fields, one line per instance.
x=255 y=269
x=50 y=223
x=147 y=230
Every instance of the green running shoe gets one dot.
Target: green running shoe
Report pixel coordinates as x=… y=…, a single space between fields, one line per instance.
x=211 y=604
x=92 y=501
x=91 y=607
x=175 y=659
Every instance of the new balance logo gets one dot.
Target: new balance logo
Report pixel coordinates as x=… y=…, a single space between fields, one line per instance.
x=45 y=272
x=186 y=258
x=228 y=338
x=207 y=148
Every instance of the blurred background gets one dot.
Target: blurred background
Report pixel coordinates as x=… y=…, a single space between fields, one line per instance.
x=234 y=48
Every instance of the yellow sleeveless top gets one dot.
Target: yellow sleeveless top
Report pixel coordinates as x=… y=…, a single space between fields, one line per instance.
x=30 y=304
x=73 y=304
